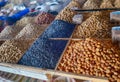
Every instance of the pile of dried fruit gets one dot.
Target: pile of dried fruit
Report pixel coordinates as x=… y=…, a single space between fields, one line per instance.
x=44 y=18
x=97 y=26
x=92 y=57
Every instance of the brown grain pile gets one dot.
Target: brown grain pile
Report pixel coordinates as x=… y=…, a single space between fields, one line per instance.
x=74 y=4
x=97 y=26
x=81 y=2
x=11 y=31
x=66 y=15
x=12 y=50
x=92 y=57
x=91 y=4
x=44 y=18
x=31 y=31
x=107 y=4
x=117 y=3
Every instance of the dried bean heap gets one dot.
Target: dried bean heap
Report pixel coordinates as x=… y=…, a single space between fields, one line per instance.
x=97 y=26
x=47 y=52
x=92 y=57
x=11 y=31
x=12 y=50
x=117 y=3
x=44 y=18
x=31 y=31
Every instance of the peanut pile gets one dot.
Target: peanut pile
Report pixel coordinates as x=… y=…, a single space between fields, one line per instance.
x=117 y=3
x=66 y=15
x=44 y=18
x=97 y=26
x=73 y=4
x=31 y=31
x=107 y=4
x=91 y=4
x=12 y=50
x=92 y=57
x=11 y=31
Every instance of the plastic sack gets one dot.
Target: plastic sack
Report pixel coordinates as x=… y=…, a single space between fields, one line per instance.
x=77 y=19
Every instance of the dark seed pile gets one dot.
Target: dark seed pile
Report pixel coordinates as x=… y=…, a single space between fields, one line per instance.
x=45 y=53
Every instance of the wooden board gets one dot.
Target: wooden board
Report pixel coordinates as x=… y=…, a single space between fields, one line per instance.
x=44 y=74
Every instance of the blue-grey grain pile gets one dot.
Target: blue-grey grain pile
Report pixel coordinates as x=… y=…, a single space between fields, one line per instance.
x=45 y=53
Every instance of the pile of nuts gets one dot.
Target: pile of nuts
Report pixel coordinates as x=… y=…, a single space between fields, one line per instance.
x=91 y=4
x=66 y=15
x=12 y=50
x=117 y=3
x=11 y=31
x=92 y=57
x=31 y=31
x=44 y=18
x=96 y=26
x=107 y=4
x=73 y=4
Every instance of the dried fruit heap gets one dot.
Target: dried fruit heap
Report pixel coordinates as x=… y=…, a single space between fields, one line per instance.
x=92 y=57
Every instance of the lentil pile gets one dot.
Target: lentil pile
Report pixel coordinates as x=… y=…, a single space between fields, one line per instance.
x=44 y=18
x=12 y=50
x=31 y=31
x=92 y=57
x=11 y=31
x=96 y=26
x=47 y=52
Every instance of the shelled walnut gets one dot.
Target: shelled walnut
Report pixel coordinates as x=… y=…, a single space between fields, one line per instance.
x=92 y=57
